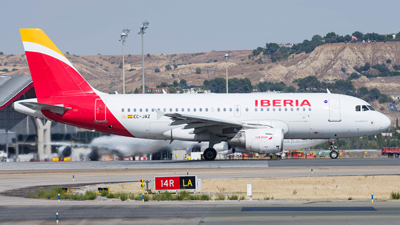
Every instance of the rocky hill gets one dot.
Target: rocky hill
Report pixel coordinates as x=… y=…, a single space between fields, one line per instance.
x=326 y=62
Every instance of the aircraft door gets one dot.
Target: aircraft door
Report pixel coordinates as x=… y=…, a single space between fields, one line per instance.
x=334 y=110
x=237 y=111
x=100 y=111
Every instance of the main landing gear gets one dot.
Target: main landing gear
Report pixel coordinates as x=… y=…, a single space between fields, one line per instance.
x=210 y=154
x=334 y=153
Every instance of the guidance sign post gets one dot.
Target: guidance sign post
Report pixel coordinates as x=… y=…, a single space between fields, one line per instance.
x=172 y=183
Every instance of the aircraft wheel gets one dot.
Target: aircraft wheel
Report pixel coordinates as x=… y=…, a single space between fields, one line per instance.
x=334 y=154
x=210 y=154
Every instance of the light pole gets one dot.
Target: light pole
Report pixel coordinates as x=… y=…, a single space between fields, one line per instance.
x=142 y=31
x=227 y=55
x=124 y=35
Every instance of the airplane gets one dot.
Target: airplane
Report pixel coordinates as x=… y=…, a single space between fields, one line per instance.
x=257 y=122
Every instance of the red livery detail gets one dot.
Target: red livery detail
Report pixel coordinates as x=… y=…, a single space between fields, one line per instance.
x=280 y=103
x=167 y=183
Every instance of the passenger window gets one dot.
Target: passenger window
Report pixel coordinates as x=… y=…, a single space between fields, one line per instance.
x=129 y=109
x=183 y=110
x=147 y=109
x=309 y=109
x=291 y=109
x=304 y=109
x=170 y=109
x=255 y=109
x=165 y=110
x=358 y=108
x=176 y=110
x=152 y=109
x=188 y=109
x=218 y=109
x=262 y=109
x=206 y=109
x=201 y=109
x=134 y=109
x=122 y=110
x=194 y=109
x=285 y=109
x=364 y=108
x=298 y=109
x=273 y=109
x=280 y=109
x=224 y=109
x=268 y=109
x=140 y=109
x=247 y=109
x=230 y=109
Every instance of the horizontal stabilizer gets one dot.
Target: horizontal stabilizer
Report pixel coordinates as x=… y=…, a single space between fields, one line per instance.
x=60 y=109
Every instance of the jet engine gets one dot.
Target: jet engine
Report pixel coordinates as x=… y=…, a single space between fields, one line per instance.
x=266 y=140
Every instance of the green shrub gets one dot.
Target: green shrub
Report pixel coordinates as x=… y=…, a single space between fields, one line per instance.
x=233 y=197
x=131 y=196
x=110 y=195
x=266 y=198
x=242 y=197
x=350 y=198
x=104 y=193
x=220 y=197
x=204 y=197
x=395 y=195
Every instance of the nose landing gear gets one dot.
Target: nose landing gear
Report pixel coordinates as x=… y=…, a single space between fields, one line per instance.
x=334 y=153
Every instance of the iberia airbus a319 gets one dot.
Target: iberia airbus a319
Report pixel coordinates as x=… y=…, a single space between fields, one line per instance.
x=256 y=122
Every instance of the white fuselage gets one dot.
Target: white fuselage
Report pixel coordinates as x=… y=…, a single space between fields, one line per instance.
x=323 y=115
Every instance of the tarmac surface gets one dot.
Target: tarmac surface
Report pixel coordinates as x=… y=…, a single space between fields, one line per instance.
x=168 y=164
x=18 y=210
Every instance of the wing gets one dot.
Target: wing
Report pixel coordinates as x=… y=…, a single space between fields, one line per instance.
x=202 y=124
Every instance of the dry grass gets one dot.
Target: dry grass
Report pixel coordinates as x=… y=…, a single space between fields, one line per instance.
x=309 y=188
x=297 y=188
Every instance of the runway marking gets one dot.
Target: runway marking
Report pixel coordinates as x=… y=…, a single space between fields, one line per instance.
x=306 y=209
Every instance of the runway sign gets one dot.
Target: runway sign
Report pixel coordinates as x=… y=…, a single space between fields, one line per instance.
x=175 y=183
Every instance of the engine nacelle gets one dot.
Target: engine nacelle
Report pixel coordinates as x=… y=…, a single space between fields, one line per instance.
x=267 y=140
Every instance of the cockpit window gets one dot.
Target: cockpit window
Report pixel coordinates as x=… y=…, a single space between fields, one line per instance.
x=364 y=108
x=370 y=108
x=358 y=108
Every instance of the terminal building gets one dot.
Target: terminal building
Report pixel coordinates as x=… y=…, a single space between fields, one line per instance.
x=23 y=134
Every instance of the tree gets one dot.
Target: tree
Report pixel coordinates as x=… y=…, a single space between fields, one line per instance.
x=175 y=83
x=198 y=70
x=175 y=66
x=120 y=65
x=148 y=54
x=363 y=91
x=358 y=35
x=183 y=83
x=172 y=90
x=388 y=61
x=168 y=67
x=347 y=38
x=157 y=70
x=136 y=91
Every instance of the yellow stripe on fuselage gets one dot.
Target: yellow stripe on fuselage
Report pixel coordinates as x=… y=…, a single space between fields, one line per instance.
x=37 y=36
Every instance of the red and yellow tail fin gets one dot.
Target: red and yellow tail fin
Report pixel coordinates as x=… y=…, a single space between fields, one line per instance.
x=52 y=73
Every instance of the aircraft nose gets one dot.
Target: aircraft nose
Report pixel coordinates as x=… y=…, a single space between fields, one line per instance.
x=385 y=122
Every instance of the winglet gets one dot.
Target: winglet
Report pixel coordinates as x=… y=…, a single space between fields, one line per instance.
x=159 y=113
x=327 y=90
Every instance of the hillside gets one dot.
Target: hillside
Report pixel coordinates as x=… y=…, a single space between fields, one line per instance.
x=325 y=62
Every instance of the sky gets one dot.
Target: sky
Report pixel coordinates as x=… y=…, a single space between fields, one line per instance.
x=89 y=27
